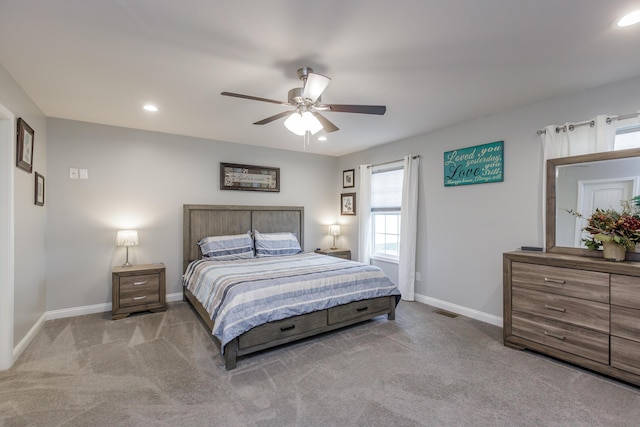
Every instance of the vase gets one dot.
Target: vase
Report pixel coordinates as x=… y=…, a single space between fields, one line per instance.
x=613 y=251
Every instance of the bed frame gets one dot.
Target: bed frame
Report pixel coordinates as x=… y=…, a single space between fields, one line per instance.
x=217 y=220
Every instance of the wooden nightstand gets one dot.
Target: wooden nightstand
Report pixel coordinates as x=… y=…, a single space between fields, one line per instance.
x=138 y=288
x=338 y=253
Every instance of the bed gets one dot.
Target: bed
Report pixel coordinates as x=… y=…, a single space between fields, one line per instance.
x=367 y=292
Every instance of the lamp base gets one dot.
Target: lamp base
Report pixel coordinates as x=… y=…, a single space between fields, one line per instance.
x=127 y=264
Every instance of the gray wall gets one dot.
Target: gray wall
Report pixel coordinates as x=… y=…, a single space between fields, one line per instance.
x=139 y=179
x=30 y=220
x=463 y=231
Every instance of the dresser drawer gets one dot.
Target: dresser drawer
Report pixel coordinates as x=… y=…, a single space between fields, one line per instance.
x=625 y=322
x=562 y=336
x=625 y=355
x=578 y=312
x=625 y=291
x=590 y=285
x=356 y=309
x=273 y=331
x=148 y=282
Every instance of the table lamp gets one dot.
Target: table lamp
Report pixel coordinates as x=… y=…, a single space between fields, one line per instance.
x=334 y=230
x=127 y=238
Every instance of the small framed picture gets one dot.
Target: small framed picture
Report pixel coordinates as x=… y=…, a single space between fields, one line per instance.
x=348 y=204
x=24 y=151
x=39 y=190
x=348 y=180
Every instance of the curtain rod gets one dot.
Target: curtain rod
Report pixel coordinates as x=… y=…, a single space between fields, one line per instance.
x=417 y=156
x=591 y=123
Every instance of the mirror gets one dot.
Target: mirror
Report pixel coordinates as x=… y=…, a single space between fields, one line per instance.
x=572 y=183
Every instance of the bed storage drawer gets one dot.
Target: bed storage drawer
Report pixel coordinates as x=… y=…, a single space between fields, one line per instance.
x=279 y=329
x=357 y=309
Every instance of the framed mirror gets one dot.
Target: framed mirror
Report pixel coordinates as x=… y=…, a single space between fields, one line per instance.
x=582 y=184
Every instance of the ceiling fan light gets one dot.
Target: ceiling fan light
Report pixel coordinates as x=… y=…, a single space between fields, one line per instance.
x=311 y=123
x=295 y=124
x=629 y=19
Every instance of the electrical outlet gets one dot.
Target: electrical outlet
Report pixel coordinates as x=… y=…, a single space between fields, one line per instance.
x=84 y=173
x=73 y=173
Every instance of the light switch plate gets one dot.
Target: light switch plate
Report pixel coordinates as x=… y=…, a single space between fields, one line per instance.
x=84 y=173
x=73 y=173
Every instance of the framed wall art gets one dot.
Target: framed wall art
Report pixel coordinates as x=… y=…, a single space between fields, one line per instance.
x=348 y=204
x=480 y=164
x=249 y=178
x=348 y=178
x=24 y=149
x=39 y=190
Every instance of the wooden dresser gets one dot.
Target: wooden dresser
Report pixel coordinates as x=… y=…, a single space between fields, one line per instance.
x=138 y=288
x=582 y=310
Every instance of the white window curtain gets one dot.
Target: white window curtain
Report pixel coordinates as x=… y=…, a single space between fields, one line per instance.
x=408 y=228
x=364 y=207
x=574 y=139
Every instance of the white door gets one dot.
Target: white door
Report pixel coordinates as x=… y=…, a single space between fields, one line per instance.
x=602 y=194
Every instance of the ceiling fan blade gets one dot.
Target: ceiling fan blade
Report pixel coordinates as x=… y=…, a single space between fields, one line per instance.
x=315 y=85
x=326 y=124
x=362 y=109
x=254 y=98
x=272 y=118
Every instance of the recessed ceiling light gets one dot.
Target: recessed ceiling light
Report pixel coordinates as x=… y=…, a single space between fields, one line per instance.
x=150 y=107
x=322 y=138
x=629 y=19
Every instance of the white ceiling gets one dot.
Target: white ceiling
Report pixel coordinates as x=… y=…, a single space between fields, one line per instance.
x=433 y=63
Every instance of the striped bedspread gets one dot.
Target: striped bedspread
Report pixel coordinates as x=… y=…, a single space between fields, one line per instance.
x=242 y=294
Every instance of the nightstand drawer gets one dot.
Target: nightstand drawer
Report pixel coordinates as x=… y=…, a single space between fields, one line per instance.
x=149 y=282
x=139 y=298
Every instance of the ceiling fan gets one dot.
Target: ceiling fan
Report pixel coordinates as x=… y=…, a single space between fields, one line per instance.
x=306 y=117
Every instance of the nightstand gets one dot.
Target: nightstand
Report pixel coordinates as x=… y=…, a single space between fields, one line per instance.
x=338 y=253
x=138 y=288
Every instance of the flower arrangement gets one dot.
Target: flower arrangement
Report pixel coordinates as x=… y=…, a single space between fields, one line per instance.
x=609 y=225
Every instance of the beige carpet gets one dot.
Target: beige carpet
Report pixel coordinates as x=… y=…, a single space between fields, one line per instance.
x=422 y=369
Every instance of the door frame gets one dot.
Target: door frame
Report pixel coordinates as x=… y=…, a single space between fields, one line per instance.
x=7 y=255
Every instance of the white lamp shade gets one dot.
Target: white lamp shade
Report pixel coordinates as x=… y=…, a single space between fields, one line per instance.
x=334 y=230
x=127 y=238
x=300 y=123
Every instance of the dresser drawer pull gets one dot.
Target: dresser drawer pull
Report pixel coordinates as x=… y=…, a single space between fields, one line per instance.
x=550 y=307
x=287 y=328
x=549 y=334
x=139 y=298
x=139 y=283
x=552 y=280
x=361 y=309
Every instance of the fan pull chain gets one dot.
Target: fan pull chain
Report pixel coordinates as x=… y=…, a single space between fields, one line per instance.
x=307 y=138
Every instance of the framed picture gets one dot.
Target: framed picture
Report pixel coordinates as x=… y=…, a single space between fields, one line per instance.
x=348 y=180
x=39 y=190
x=24 y=151
x=249 y=178
x=348 y=204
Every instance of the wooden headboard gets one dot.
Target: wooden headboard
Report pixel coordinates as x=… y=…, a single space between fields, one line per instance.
x=219 y=220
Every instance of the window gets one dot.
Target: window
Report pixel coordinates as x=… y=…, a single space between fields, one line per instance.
x=627 y=137
x=386 y=200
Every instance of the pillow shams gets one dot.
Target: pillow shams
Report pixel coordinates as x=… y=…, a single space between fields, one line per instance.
x=222 y=248
x=276 y=244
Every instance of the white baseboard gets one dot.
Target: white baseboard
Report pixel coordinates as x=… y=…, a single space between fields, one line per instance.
x=24 y=342
x=458 y=309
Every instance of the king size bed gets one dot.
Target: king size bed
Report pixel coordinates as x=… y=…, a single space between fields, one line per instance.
x=249 y=281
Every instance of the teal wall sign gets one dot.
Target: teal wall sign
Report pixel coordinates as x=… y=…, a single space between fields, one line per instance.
x=474 y=165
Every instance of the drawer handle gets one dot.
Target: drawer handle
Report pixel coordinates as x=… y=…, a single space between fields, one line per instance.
x=139 y=298
x=139 y=283
x=550 y=307
x=549 y=334
x=287 y=328
x=552 y=280
x=361 y=309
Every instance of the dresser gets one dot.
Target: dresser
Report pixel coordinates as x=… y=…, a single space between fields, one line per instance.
x=338 y=253
x=138 y=288
x=582 y=310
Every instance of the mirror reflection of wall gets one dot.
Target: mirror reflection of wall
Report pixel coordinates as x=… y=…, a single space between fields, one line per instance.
x=586 y=186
